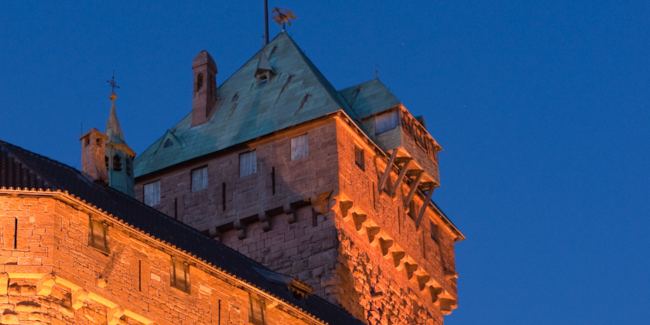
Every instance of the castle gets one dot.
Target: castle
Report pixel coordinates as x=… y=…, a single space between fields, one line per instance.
x=323 y=196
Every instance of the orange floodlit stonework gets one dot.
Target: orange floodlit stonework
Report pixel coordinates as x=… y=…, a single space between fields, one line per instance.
x=277 y=200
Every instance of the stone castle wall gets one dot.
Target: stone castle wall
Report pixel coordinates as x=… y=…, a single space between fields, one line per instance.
x=317 y=241
x=50 y=275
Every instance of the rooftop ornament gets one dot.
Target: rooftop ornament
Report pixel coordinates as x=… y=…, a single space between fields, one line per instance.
x=282 y=16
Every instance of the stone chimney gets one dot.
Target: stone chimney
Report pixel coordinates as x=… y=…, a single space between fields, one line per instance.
x=93 y=155
x=205 y=88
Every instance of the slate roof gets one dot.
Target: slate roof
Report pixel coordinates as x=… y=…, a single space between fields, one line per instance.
x=297 y=93
x=20 y=168
x=369 y=98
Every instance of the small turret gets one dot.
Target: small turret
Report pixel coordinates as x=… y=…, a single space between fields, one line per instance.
x=205 y=88
x=118 y=155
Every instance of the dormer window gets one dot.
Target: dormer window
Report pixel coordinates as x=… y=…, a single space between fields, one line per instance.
x=168 y=143
x=263 y=79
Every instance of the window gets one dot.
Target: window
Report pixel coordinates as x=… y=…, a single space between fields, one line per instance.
x=129 y=166
x=117 y=163
x=180 y=276
x=263 y=79
x=434 y=232
x=299 y=147
x=385 y=122
x=199 y=179
x=152 y=193
x=247 y=163
x=168 y=143
x=98 y=234
x=256 y=311
x=359 y=158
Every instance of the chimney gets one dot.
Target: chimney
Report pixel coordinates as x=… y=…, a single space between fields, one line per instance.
x=205 y=88
x=93 y=157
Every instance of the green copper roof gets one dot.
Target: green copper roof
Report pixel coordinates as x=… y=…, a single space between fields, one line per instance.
x=369 y=98
x=296 y=93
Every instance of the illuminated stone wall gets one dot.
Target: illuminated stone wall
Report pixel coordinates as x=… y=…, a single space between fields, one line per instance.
x=337 y=238
x=51 y=275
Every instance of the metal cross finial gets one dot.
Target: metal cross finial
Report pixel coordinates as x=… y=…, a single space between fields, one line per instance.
x=112 y=83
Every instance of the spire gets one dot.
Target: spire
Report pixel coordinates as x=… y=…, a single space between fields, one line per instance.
x=113 y=129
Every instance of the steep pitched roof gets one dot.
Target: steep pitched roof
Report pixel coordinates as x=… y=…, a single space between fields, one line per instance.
x=245 y=110
x=369 y=98
x=113 y=129
x=20 y=168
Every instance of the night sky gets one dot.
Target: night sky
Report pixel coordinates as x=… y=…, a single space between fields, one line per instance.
x=543 y=110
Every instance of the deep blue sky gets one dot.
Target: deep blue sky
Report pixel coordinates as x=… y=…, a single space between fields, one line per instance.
x=542 y=108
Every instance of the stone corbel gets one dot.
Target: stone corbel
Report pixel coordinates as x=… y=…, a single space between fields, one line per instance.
x=321 y=202
x=265 y=219
x=113 y=316
x=422 y=280
x=449 y=275
x=290 y=212
x=410 y=269
x=372 y=233
x=385 y=245
x=78 y=298
x=397 y=260
x=359 y=219
x=435 y=294
x=45 y=284
x=239 y=227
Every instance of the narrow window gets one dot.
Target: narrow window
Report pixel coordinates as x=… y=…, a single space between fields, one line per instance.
x=168 y=143
x=106 y=161
x=98 y=141
x=98 y=235
x=117 y=163
x=176 y=208
x=223 y=196
x=180 y=277
x=299 y=147
x=129 y=166
x=273 y=179
x=385 y=122
x=199 y=179
x=257 y=310
x=434 y=232
x=247 y=163
x=359 y=158
x=152 y=193
x=15 y=233
x=139 y=275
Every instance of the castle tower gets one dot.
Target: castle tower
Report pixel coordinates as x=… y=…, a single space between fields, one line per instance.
x=118 y=155
x=205 y=87
x=331 y=187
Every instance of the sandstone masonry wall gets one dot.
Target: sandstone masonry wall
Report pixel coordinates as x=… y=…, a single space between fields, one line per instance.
x=53 y=276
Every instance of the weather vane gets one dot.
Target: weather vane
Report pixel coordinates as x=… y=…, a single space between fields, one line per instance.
x=112 y=83
x=282 y=16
